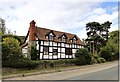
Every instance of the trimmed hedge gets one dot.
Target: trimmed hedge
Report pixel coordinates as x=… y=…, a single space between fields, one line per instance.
x=27 y=63
x=55 y=63
x=20 y=63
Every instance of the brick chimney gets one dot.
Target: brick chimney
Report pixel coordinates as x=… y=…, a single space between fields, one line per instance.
x=32 y=30
x=32 y=38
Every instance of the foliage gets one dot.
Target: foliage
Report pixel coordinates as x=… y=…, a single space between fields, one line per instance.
x=20 y=63
x=55 y=63
x=33 y=53
x=12 y=55
x=10 y=49
x=97 y=35
x=12 y=36
x=2 y=26
x=82 y=57
x=105 y=53
x=97 y=59
x=111 y=51
x=22 y=39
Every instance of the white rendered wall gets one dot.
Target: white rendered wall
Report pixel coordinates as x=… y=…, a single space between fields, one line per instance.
x=41 y=54
x=41 y=42
x=41 y=48
x=45 y=56
x=50 y=49
x=46 y=43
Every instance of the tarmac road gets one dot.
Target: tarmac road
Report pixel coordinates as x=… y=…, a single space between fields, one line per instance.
x=105 y=71
x=107 y=74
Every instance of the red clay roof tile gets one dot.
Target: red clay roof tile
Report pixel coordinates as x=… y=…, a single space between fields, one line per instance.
x=41 y=32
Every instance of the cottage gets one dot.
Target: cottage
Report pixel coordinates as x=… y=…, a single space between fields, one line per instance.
x=51 y=44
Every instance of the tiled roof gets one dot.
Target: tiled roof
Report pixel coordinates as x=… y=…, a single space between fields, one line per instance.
x=41 y=33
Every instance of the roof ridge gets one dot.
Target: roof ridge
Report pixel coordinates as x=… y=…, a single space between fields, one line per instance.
x=56 y=30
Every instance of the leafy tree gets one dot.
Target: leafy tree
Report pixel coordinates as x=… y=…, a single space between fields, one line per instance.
x=10 y=49
x=22 y=39
x=13 y=36
x=113 y=43
x=111 y=50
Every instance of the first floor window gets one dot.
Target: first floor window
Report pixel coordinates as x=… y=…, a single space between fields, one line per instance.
x=45 y=49
x=68 y=51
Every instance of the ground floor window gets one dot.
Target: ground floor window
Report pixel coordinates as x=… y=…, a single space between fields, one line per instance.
x=55 y=51
x=46 y=50
x=68 y=51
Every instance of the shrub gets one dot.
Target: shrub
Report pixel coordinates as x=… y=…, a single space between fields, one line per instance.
x=55 y=63
x=93 y=61
x=82 y=57
x=21 y=63
x=11 y=49
x=102 y=60
x=33 y=53
x=97 y=59
x=106 y=54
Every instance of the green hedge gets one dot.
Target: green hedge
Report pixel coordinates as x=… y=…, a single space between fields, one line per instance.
x=21 y=63
x=55 y=63
x=26 y=63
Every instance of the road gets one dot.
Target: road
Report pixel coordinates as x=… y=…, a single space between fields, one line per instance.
x=105 y=71
x=107 y=74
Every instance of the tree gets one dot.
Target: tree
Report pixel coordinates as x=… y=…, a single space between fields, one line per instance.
x=13 y=36
x=2 y=26
x=113 y=43
x=111 y=50
x=97 y=35
x=11 y=49
x=104 y=31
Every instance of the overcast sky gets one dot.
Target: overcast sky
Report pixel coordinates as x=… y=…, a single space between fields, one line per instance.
x=62 y=15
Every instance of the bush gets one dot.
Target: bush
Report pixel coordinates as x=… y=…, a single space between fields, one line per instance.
x=56 y=63
x=82 y=57
x=33 y=53
x=106 y=54
x=11 y=49
x=102 y=60
x=21 y=63
x=97 y=59
x=93 y=61
x=12 y=55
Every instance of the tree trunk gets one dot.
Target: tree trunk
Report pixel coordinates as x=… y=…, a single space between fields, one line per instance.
x=93 y=48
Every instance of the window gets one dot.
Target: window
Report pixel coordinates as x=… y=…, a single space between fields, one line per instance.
x=68 y=51
x=74 y=40
x=46 y=49
x=55 y=51
x=63 y=39
x=50 y=37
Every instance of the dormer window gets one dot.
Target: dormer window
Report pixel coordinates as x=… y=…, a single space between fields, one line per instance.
x=74 y=40
x=63 y=39
x=50 y=37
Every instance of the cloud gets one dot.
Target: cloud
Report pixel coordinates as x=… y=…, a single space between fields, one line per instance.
x=69 y=16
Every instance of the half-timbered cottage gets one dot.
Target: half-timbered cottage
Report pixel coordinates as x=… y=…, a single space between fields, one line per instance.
x=51 y=44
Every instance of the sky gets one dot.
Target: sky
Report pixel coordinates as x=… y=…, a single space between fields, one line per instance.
x=62 y=15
